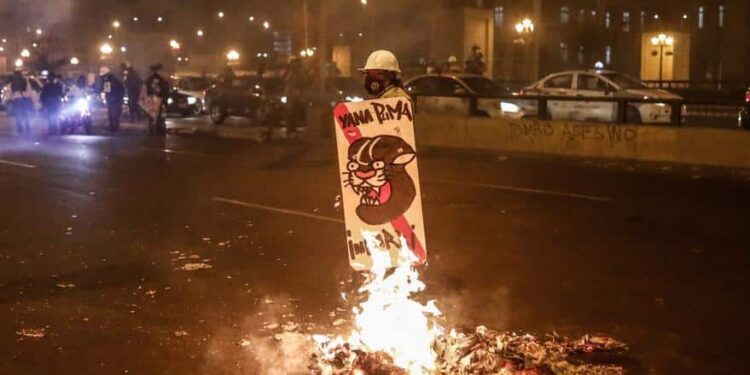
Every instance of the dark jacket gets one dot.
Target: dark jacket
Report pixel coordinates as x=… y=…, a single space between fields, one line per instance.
x=156 y=85
x=113 y=89
x=52 y=95
x=133 y=83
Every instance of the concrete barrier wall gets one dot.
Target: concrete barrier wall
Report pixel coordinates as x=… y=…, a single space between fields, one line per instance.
x=715 y=147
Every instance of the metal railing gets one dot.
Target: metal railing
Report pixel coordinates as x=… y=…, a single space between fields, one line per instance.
x=542 y=104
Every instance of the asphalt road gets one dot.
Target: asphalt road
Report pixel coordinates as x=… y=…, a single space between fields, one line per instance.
x=106 y=243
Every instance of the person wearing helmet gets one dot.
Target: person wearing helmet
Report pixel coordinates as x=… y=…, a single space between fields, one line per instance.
x=382 y=76
x=114 y=93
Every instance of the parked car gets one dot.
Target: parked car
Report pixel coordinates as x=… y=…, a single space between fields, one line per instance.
x=193 y=87
x=600 y=84
x=744 y=117
x=450 y=93
x=36 y=89
x=183 y=104
x=259 y=99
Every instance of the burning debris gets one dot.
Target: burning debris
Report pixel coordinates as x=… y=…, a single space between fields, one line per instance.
x=482 y=352
x=394 y=334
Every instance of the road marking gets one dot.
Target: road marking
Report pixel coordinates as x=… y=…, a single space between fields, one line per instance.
x=277 y=209
x=524 y=190
x=17 y=164
x=178 y=152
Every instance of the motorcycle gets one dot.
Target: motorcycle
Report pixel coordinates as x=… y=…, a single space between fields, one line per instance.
x=76 y=114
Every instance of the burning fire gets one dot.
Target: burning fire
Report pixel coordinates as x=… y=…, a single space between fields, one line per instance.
x=390 y=321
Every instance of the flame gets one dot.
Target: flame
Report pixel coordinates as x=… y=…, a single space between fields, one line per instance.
x=390 y=321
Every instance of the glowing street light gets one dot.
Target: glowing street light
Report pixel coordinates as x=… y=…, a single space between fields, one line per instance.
x=363 y=2
x=116 y=24
x=135 y=19
x=74 y=61
x=39 y=31
x=106 y=49
x=18 y=63
x=25 y=53
x=266 y=25
x=233 y=55
x=2 y=49
x=160 y=19
x=661 y=41
x=221 y=14
x=174 y=44
x=307 y=52
x=251 y=19
x=123 y=49
x=199 y=33
x=525 y=26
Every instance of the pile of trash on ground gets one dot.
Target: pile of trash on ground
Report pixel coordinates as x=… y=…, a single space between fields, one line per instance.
x=486 y=352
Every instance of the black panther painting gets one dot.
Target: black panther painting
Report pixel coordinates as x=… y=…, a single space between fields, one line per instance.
x=376 y=171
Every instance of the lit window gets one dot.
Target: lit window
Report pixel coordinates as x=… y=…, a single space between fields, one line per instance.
x=608 y=55
x=607 y=20
x=564 y=15
x=721 y=16
x=700 y=17
x=626 y=22
x=499 y=16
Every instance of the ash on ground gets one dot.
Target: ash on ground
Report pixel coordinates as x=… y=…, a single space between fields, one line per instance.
x=486 y=352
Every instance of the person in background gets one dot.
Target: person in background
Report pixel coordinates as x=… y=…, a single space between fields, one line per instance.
x=52 y=96
x=114 y=93
x=452 y=66
x=133 y=83
x=22 y=105
x=475 y=61
x=154 y=99
x=382 y=76
x=297 y=83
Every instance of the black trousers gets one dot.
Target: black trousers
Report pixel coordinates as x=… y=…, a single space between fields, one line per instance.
x=114 y=111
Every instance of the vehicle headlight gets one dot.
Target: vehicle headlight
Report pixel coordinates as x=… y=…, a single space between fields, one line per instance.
x=192 y=100
x=284 y=99
x=170 y=101
x=354 y=99
x=509 y=107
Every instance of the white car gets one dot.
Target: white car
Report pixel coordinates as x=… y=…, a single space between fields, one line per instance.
x=450 y=94
x=193 y=87
x=601 y=83
x=36 y=89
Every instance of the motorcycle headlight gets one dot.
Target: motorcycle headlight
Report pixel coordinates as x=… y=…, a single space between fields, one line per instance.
x=192 y=100
x=82 y=105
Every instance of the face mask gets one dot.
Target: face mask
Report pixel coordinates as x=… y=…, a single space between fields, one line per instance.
x=374 y=86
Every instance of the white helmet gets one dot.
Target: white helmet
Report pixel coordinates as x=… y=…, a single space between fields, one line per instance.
x=103 y=71
x=382 y=60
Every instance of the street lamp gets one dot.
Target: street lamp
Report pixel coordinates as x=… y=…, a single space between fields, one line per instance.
x=106 y=49
x=74 y=61
x=266 y=25
x=199 y=33
x=174 y=44
x=661 y=41
x=221 y=14
x=25 y=53
x=233 y=55
x=116 y=24
x=18 y=63
x=525 y=26
x=38 y=31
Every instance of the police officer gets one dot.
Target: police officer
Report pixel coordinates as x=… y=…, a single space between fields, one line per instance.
x=382 y=76
x=114 y=93
x=52 y=96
